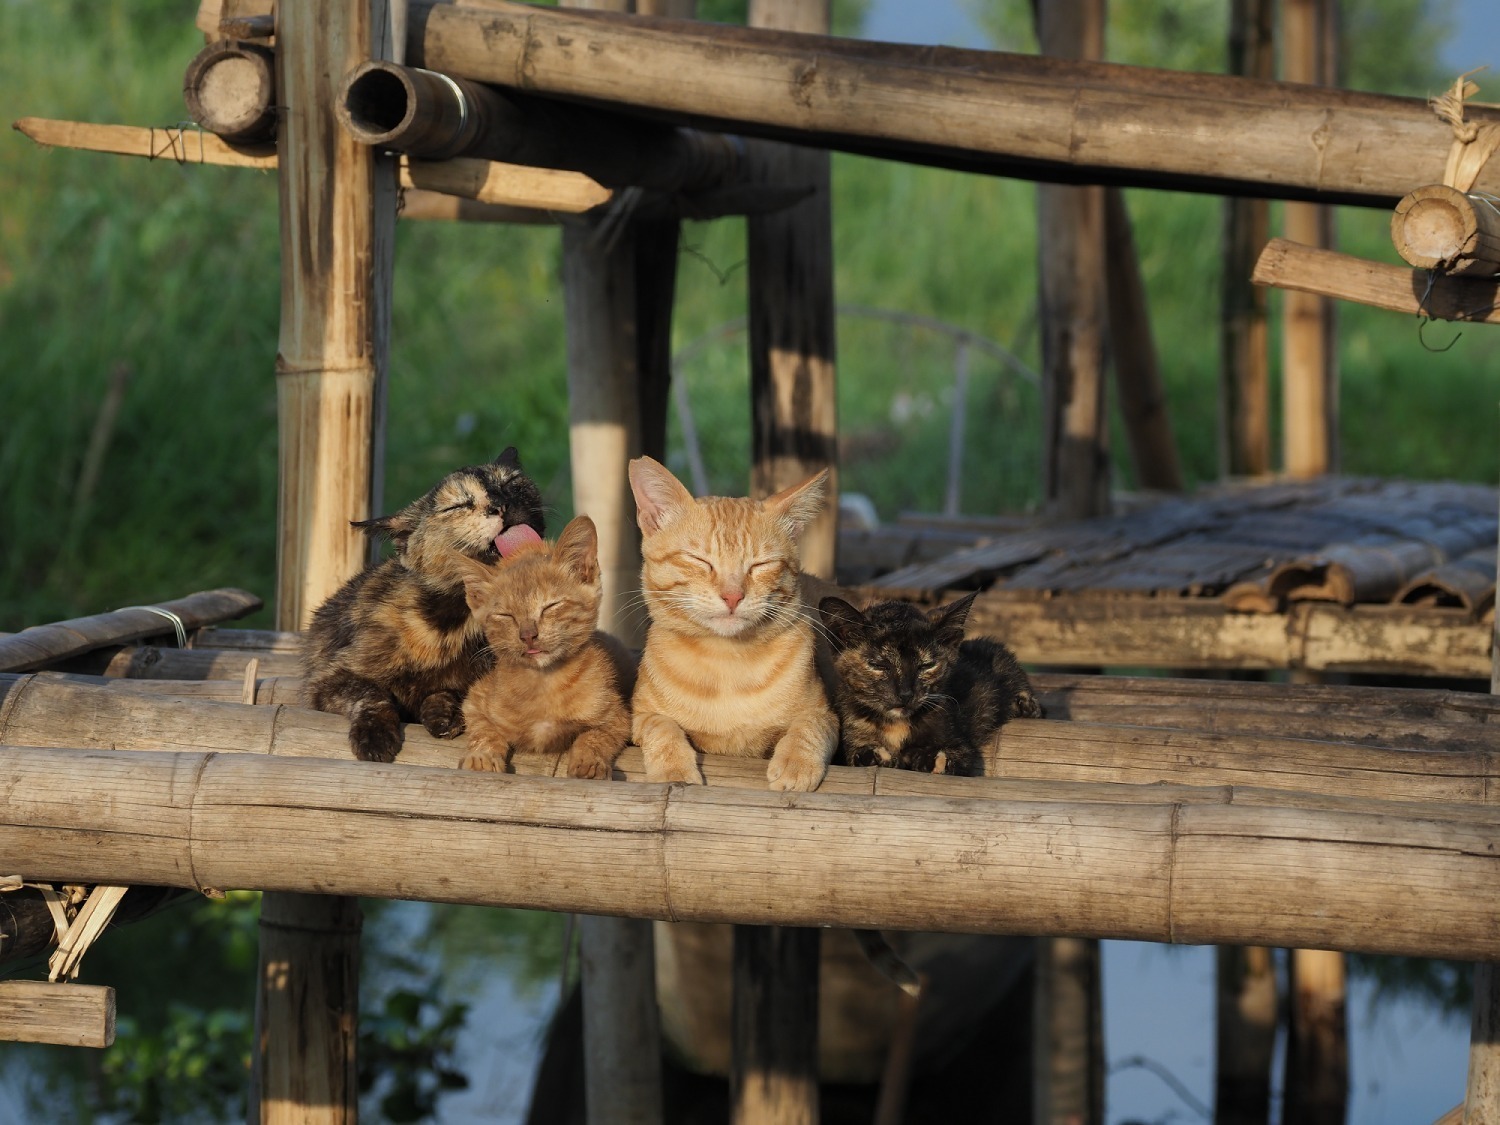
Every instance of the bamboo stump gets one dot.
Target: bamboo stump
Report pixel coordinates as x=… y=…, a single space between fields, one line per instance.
x=1440 y=228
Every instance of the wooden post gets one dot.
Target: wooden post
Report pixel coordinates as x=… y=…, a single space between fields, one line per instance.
x=794 y=405
x=621 y=1086
x=773 y=1078
x=1246 y=1035
x=773 y=1075
x=1317 y=1057
x=1482 y=1097
x=1244 y=348
x=1309 y=336
x=1069 y=1060
x=1070 y=245
x=1143 y=399
x=1069 y=1034
x=338 y=208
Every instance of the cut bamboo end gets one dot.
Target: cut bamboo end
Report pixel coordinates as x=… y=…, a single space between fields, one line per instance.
x=230 y=89
x=69 y=1015
x=1440 y=228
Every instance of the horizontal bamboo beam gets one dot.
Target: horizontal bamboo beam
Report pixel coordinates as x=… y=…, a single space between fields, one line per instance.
x=1007 y=114
x=485 y=181
x=72 y=1015
x=1307 y=269
x=1376 y=881
x=41 y=710
x=1202 y=633
x=43 y=644
x=150 y=662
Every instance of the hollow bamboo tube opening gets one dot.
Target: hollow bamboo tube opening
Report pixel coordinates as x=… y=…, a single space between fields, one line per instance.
x=408 y=109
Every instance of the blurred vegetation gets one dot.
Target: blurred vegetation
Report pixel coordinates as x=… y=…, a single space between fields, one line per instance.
x=169 y=276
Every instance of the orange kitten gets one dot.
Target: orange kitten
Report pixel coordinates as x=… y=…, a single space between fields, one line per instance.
x=728 y=666
x=558 y=683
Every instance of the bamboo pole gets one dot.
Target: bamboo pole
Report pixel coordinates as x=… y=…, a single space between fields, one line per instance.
x=1143 y=399
x=338 y=211
x=976 y=110
x=46 y=644
x=1438 y=227
x=1317 y=1066
x=773 y=1077
x=1245 y=1039
x=1070 y=249
x=1380 y=880
x=621 y=1025
x=793 y=389
x=1244 y=372
x=1309 y=333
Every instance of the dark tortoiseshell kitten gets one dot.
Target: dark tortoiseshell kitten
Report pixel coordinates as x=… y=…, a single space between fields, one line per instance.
x=913 y=694
x=397 y=642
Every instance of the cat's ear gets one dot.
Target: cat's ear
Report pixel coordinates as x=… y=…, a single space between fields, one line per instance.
x=477 y=578
x=397 y=528
x=949 y=619
x=509 y=459
x=659 y=496
x=799 y=505
x=845 y=624
x=577 y=550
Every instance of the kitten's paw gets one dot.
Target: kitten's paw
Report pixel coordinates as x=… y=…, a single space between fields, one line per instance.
x=443 y=715
x=795 y=773
x=589 y=766
x=1025 y=706
x=375 y=737
x=483 y=761
x=685 y=772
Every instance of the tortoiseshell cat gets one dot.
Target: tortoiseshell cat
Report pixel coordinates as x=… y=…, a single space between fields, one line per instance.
x=913 y=694
x=729 y=665
x=397 y=643
x=557 y=683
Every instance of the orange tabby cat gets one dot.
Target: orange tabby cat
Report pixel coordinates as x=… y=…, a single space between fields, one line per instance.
x=558 y=683
x=728 y=666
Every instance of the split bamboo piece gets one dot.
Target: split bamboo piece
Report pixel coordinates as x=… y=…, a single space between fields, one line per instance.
x=1290 y=265
x=71 y=1015
x=1440 y=228
x=975 y=110
x=43 y=644
x=1379 y=878
x=511 y=185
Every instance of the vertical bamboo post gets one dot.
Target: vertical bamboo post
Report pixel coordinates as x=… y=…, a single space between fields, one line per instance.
x=1309 y=351
x=1069 y=1059
x=338 y=211
x=1143 y=399
x=1068 y=1034
x=773 y=1074
x=794 y=408
x=1482 y=1097
x=1070 y=249
x=1246 y=1035
x=1317 y=1067
x=618 y=294
x=622 y=1086
x=1244 y=349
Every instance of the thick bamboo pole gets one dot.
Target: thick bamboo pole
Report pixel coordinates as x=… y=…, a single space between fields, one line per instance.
x=793 y=389
x=1317 y=1053
x=338 y=214
x=1070 y=262
x=1043 y=118
x=621 y=1024
x=45 y=644
x=1245 y=1036
x=1309 y=334
x=773 y=1076
x=1244 y=348
x=1482 y=1096
x=1380 y=880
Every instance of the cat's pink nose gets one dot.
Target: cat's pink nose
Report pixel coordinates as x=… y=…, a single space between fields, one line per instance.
x=528 y=633
x=732 y=598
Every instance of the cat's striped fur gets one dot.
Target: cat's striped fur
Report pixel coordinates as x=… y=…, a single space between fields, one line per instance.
x=728 y=666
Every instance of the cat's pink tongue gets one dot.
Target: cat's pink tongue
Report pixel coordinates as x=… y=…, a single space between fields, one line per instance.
x=512 y=539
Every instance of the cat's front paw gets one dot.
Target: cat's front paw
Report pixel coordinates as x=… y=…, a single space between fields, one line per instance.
x=483 y=761
x=687 y=772
x=442 y=715
x=794 y=772
x=375 y=734
x=1025 y=706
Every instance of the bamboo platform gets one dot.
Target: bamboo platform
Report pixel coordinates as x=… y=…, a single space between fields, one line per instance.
x=1345 y=574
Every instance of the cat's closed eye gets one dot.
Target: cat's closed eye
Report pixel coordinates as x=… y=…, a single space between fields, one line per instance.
x=697 y=560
